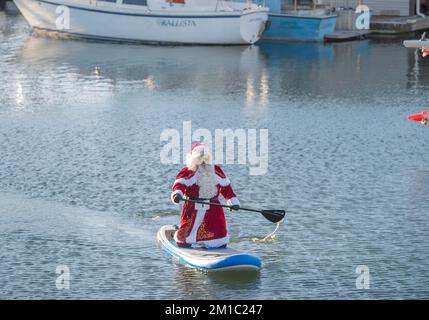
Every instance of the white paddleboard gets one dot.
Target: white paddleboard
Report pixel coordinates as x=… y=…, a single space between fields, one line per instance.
x=417 y=44
x=216 y=259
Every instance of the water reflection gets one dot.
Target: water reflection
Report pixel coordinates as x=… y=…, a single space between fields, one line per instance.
x=194 y=284
x=132 y=65
x=418 y=71
x=258 y=71
x=296 y=51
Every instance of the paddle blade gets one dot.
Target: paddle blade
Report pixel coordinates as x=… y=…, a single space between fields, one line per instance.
x=274 y=215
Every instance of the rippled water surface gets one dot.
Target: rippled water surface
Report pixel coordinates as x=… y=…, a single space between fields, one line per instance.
x=82 y=185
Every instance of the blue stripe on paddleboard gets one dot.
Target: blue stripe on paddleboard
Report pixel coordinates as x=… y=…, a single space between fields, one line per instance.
x=240 y=259
x=143 y=14
x=181 y=260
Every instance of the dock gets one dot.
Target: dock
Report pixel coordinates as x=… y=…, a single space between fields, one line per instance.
x=347 y=35
x=389 y=25
x=345 y=28
x=383 y=26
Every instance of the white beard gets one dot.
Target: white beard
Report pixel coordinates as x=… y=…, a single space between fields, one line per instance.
x=206 y=181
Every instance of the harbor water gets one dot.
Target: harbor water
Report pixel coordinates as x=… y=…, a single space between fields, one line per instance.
x=82 y=184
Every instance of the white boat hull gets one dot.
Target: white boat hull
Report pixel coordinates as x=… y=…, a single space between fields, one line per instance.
x=142 y=25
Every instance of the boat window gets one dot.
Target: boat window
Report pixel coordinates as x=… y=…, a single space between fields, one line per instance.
x=135 y=2
x=106 y=0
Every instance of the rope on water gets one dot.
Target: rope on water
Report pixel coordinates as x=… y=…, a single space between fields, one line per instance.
x=272 y=235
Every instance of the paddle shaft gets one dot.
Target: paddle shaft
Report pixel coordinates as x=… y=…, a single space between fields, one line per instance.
x=274 y=216
x=220 y=205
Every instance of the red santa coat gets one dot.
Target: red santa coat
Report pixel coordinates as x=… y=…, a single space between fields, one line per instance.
x=201 y=224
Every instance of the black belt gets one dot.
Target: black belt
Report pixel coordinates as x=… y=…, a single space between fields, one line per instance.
x=204 y=199
x=188 y=214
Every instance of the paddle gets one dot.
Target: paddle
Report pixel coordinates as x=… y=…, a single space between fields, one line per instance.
x=271 y=215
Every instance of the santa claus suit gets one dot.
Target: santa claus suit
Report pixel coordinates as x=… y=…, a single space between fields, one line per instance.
x=203 y=225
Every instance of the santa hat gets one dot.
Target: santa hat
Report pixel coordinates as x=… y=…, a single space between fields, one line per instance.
x=199 y=153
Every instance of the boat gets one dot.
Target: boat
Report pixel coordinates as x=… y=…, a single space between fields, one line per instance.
x=212 y=259
x=214 y=22
x=298 y=23
x=423 y=43
x=417 y=44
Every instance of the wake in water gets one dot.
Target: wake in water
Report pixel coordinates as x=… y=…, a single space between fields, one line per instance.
x=163 y=214
x=268 y=238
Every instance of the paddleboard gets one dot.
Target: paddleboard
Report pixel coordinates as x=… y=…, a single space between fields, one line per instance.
x=213 y=259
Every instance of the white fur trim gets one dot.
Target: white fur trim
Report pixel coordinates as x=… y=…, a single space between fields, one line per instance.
x=175 y=238
x=192 y=238
x=207 y=182
x=197 y=156
x=187 y=182
x=223 y=182
x=174 y=193
x=215 y=243
x=233 y=202
x=201 y=150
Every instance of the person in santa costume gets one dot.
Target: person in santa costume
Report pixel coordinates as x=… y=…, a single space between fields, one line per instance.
x=202 y=225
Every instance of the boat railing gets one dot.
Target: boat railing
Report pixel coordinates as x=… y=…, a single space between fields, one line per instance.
x=115 y=3
x=219 y=4
x=312 y=7
x=261 y=3
x=247 y=3
x=339 y=4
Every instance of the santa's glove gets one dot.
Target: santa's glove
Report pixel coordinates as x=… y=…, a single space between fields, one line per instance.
x=234 y=207
x=177 y=198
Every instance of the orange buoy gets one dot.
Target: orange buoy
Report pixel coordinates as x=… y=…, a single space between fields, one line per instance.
x=422 y=117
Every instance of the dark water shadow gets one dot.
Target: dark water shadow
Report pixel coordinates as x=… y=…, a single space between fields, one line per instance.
x=235 y=277
x=195 y=284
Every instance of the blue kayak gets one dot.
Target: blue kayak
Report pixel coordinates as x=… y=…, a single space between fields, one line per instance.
x=216 y=259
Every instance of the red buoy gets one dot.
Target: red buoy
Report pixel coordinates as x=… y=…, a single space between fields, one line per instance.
x=421 y=117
